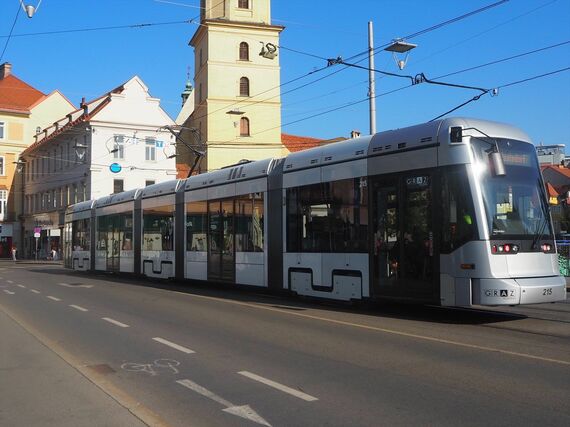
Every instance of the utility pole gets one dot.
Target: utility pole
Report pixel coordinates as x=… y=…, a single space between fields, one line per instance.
x=371 y=77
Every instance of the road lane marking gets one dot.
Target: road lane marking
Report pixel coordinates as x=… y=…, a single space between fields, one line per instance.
x=9 y=281
x=67 y=285
x=115 y=322
x=278 y=386
x=53 y=298
x=243 y=411
x=384 y=330
x=9 y=292
x=22 y=286
x=34 y=291
x=77 y=307
x=173 y=345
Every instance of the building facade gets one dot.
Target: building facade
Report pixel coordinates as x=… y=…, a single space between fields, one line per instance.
x=237 y=113
x=23 y=109
x=112 y=144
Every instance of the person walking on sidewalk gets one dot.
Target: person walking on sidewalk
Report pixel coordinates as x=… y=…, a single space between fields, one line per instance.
x=14 y=253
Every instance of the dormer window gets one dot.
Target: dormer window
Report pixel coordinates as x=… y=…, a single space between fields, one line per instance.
x=243 y=4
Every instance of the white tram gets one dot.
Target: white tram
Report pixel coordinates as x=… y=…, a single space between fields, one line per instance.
x=451 y=212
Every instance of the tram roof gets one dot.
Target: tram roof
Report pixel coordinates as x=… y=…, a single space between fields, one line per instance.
x=113 y=199
x=234 y=173
x=161 y=189
x=490 y=127
x=80 y=207
x=327 y=154
x=395 y=140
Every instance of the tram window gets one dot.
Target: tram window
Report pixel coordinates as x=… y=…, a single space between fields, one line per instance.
x=196 y=226
x=249 y=223
x=80 y=235
x=457 y=213
x=158 y=229
x=328 y=217
x=114 y=233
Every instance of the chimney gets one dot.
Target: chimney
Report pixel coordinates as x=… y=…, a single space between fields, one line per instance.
x=5 y=70
x=84 y=106
x=355 y=134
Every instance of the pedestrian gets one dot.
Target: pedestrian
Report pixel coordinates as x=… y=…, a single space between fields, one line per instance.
x=14 y=253
x=53 y=254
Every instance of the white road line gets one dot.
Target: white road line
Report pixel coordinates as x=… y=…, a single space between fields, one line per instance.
x=173 y=345
x=22 y=286
x=278 y=386
x=34 y=291
x=244 y=411
x=53 y=298
x=67 y=285
x=9 y=281
x=77 y=307
x=115 y=322
x=9 y=292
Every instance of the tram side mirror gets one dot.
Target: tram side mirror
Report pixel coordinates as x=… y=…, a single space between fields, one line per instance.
x=497 y=163
x=456 y=134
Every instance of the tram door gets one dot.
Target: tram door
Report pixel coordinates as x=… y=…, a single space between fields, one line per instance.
x=113 y=246
x=404 y=257
x=221 y=254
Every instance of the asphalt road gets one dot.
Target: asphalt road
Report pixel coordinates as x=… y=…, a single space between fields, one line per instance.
x=200 y=356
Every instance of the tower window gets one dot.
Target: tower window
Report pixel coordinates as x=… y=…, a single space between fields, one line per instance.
x=243 y=51
x=243 y=4
x=244 y=86
x=244 y=126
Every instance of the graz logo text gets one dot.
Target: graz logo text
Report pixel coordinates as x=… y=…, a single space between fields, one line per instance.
x=502 y=293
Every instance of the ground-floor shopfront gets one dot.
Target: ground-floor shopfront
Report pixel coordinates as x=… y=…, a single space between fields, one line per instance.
x=42 y=236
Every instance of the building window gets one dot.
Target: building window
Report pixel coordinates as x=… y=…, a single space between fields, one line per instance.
x=243 y=4
x=244 y=126
x=117 y=186
x=150 y=150
x=3 y=204
x=119 y=147
x=243 y=51
x=2 y=165
x=244 y=86
x=2 y=130
x=149 y=182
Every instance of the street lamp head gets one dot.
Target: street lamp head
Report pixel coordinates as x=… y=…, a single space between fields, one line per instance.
x=30 y=9
x=399 y=46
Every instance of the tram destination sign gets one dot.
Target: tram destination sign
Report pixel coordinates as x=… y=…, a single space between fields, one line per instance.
x=417 y=181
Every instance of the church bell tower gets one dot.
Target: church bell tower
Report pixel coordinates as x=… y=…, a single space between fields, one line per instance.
x=236 y=83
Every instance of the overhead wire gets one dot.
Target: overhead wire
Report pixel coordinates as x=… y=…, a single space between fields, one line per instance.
x=10 y=34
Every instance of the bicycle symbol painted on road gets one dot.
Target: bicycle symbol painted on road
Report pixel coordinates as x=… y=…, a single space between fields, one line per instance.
x=154 y=368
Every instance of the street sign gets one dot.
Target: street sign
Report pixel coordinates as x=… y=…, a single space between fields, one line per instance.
x=115 y=167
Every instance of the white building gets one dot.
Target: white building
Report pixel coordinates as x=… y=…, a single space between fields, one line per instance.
x=111 y=144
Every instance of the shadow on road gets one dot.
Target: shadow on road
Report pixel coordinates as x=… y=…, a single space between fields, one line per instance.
x=286 y=301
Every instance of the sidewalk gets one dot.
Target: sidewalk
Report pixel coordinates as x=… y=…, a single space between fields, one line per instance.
x=37 y=387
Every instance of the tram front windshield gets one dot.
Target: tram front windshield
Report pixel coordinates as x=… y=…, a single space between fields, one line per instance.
x=515 y=203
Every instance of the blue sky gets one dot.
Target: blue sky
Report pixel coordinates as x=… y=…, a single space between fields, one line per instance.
x=91 y=63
